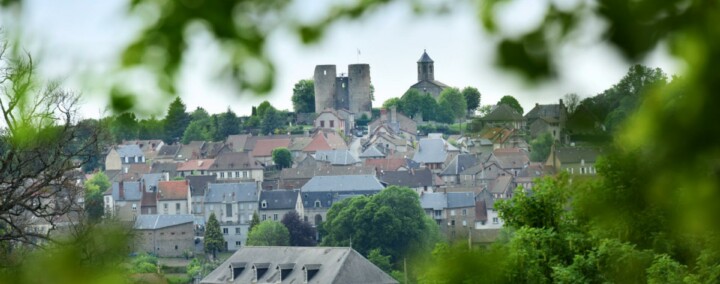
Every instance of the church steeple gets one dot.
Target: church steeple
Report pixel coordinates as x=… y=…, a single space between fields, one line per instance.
x=425 y=68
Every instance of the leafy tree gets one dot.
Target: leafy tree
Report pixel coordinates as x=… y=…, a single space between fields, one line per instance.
x=124 y=127
x=451 y=105
x=144 y=263
x=541 y=147
x=397 y=102
x=263 y=108
x=302 y=234
x=484 y=110
x=176 y=121
x=214 y=241
x=411 y=102
x=282 y=157
x=150 y=128
x=95 y=187
x=429 y=107
x=269 y=233
x=511 y=102
x=271 y=121
x=363 y=120
x=199 y=114
x=198 y=130
x=93 y=132
x=254 y=222
x=381 y=261
x=391 y=221
x=472 y=98
x=228 y=124
x=194 y=268
x=303 y=97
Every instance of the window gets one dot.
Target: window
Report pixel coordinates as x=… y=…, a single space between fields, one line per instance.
x=452 y=223
x=172 y=233
x=182 y=233
x=162 y=234
x=264 y=217
x=332 y=123
x=165 y=206
x=452 y=212
x=263 y=204
x=322 y=123
x=464 y=223
x=134 y=207
x=245 y=174
x=438 y=213
x=495 y=220
x=464 y=212
x=228 y=208
x=175 y=247
x=317 y=204
x=275 y=217
x=237 y=231
x=225 y=231
x=237 y=174
x=222 y=174
x=177 y=206
x=238 y=243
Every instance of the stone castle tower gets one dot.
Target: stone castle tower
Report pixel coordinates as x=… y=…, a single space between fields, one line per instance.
x=351 y=92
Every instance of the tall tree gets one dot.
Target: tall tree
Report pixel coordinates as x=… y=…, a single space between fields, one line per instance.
x=199 y=114
x=214 y=241
x=452 y=105
x=150 y=128
x=228 y=124
x=124 y=127
x=95 y=187
x=541 y=147
x=269 y=233
x=397 y=102
x=254 y=221
x=271 y=121
x=472 y=98
x=282 y=157
x=571 y=102
x=40 y=150
x=391 y=221
x=303 y=97
x=198 y=130
x=411 y=102
x=302 y=234
x=429 y=107
x=176 y=121
x=512 y=102
x=263 y=108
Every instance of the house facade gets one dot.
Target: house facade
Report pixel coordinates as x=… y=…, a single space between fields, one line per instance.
x=233 y=205
x=173 y=197
x=237 y=166
x=122 y=155
x=274 y=204
x=165 y=235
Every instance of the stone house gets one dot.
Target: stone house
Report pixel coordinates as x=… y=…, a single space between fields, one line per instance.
x=454 y=212
x=451 y=173
x=195 y=167
x=264 y=148
x=431 y=153
x=237 y=167
x=336 y=157
x=123 y=200
x=337 y=121
x=122 y=155
x=198 y=188
x=420 y=180
x=173 y=197
x=165 y=235
x=295 y=178
x=321 y=192
x=487 y=216
x=233 y=205
x=547 y=119
x=150 y=148
x=274 y=204
x=503 y=115
x=574 y=160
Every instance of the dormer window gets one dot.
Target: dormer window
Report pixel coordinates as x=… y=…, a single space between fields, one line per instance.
x=263 y=204
x=318 y=204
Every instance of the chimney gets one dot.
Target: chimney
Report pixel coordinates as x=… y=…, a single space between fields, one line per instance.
x=121 y=191
x=393 y=114
x=383 y=114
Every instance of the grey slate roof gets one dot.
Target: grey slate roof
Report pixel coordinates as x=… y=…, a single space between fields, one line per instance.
x=372 y=152
x=425 y=57
x=410 y=178
x=336 y=157
x=131 y=191
x=199 y=184
x=231 y=192
x=459 y=164
x=430 y=150
x=170 y=168
x=154 y=222
x=574 y=155
x=540 y=111
x=502 y=184
x=151 y=180
x=460 y=199
x=279 y=199
x=168 y=151
x=129 y=151
x=347 y=183
x=433 y=200
x=332 y=265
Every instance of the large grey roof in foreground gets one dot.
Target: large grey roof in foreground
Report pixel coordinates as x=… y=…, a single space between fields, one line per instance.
x=343 y=183
x=333 y=265
x=154 y=222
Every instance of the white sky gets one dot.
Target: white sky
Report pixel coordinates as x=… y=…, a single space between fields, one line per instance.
x=79 y=41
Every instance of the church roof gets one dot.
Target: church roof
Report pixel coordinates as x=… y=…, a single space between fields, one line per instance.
x=425 y=58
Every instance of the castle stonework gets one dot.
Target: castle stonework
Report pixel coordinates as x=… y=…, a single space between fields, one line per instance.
x=351 y=92
x=426 y=77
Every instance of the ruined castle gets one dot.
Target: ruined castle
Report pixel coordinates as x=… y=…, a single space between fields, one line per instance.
x=351 y=92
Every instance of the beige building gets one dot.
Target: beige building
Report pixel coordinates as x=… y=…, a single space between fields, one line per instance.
x=173 y=197
x=165 y=235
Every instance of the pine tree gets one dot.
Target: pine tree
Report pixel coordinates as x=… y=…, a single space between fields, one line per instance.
x=214 y=241
x=176 y=121
x=254 y=222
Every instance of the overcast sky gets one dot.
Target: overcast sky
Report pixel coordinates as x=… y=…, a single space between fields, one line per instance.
x=79 y=41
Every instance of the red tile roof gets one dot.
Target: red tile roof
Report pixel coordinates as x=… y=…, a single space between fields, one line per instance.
x=386 y=164
x=264 y=147
x=196 y=165
x=325 y=141
x=173 y=190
